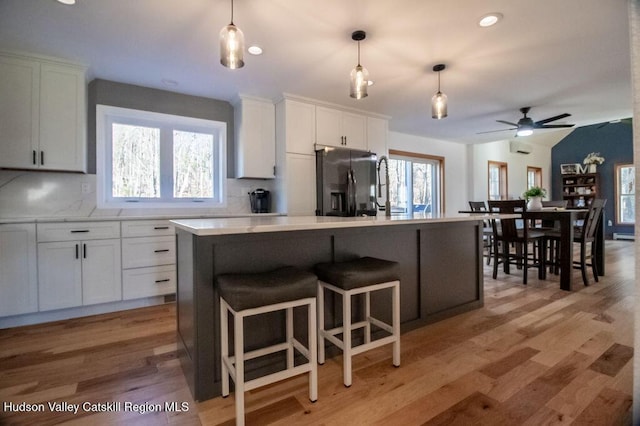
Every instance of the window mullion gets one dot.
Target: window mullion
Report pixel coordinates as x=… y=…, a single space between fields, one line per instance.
x=166 y=163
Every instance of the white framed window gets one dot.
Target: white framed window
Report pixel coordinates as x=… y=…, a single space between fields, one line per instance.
x=625 y=194
x=149 y=159
x=416 y=182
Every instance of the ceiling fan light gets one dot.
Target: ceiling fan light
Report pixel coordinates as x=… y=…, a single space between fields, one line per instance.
x=524 y=132
x=439 y=105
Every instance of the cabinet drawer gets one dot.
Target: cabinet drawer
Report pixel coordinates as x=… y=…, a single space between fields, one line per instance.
x=73 y=231
x=147 y=282
x=147 y=228
x=148 y=251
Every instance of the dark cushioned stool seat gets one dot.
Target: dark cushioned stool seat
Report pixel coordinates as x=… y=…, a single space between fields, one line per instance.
x=358 y=273
x=246 y=291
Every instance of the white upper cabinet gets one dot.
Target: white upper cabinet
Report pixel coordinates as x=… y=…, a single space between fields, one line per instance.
x=255 y=136
x=377 y=135
x=42 y=114
x=340 y=128
x=296 y=126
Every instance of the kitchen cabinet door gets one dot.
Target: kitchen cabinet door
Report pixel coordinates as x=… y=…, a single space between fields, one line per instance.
x=341 y=129
x=19 y=112
x=299 y=124
x=59 y=275
x=62 y=118
x=329 y=127
x=101 y=271
x=301 y=190
x=377 y=135
x=43 y=104
x=18 y=273
x=255 y=139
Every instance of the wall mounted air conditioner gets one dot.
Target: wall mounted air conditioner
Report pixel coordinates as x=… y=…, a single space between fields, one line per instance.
x=519 y=147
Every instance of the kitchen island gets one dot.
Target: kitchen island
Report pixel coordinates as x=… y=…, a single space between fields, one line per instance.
x=441 y=273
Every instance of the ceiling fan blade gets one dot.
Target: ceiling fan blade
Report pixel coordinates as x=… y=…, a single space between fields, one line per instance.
x=507 y=122
x=550 y=119
x=494 y=131
x=554 y=126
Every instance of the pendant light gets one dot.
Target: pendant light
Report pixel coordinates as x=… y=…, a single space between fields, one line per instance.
x=439 y=100
x=231 y=45
x=359 y=75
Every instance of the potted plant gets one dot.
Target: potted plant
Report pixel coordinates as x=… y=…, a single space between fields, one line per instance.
x=592 y=160
x=534 y=196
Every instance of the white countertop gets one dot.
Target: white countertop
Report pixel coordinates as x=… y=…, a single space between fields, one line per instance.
x=8 y=220
x=204 y=227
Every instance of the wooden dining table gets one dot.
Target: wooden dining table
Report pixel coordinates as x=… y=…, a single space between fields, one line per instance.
x=566 y=219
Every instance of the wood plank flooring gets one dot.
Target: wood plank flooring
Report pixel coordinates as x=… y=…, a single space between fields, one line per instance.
x=534 y=355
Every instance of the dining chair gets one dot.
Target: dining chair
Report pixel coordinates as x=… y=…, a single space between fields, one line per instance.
x=550 y=246
x=583 y=235
x=507 y=232
x=487 y=229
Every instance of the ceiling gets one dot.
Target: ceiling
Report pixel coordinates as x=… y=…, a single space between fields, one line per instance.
x=555 y=56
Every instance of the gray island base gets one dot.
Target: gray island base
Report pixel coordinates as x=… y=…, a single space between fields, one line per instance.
x=440 y=261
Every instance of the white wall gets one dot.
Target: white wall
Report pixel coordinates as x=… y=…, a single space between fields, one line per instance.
x=480 y=154
x=455 y=165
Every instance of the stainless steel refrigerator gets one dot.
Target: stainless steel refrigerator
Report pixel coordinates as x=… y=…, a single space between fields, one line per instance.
x=346 y=182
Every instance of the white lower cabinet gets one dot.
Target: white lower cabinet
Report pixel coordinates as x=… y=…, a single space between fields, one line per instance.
x=146 y=282
x=79 y=263
x=75 y=273
x=18 y=273
x=148 y=259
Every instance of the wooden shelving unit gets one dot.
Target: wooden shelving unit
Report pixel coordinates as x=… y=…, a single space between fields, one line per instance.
x=580 y=189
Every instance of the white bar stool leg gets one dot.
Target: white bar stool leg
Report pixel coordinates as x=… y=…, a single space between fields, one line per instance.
x=290 y=337
x=224 y=346
x=238 y=341
x=320 y=297
x=395 y=303
x=367 y=315
x=313 y=351
x=346 y=337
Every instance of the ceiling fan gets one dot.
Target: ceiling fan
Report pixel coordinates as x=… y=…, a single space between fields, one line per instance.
x=526 y=125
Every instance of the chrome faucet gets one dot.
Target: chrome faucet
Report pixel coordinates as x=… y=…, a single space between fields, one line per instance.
x=387 y=204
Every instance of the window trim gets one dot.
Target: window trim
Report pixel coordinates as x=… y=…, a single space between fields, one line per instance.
x=504 y=179
x=106 y=114
x=441 y=173
x=538 y=175
x=617 y=167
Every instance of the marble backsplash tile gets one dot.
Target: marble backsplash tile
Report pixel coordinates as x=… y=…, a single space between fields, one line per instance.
x=27 y=194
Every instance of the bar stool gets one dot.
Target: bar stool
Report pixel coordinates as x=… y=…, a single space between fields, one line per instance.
x=364 y=275
x=244 y=295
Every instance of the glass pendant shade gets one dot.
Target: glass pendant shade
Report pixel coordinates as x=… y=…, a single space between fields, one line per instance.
x=439 y=105
x=231 y=47
x=359 y=82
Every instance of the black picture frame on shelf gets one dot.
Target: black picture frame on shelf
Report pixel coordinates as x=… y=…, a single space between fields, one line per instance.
x=570 y=168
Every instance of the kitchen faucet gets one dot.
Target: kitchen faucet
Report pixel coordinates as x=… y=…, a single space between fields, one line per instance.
x=387 y=204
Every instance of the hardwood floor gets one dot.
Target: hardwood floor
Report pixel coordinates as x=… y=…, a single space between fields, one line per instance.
x=533 y=355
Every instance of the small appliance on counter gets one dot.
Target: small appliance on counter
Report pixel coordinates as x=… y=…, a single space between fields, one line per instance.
x=260 y=201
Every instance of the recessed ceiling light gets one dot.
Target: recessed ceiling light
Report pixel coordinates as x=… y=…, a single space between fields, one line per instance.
x=255 y=50
x=490 y=19
x=67 y=1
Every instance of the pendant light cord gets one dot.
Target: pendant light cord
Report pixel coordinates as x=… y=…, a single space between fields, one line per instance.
x=438 y=81
x=358 y=52
x=231 y=12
